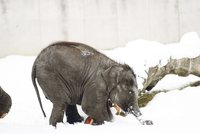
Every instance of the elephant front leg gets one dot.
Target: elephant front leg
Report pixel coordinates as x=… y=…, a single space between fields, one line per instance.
x=97 y=114
x=57 y=114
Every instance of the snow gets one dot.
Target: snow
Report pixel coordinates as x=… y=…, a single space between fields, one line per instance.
x=172 y=112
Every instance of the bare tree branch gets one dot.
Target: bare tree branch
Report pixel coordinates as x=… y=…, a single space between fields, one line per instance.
x=182 y=67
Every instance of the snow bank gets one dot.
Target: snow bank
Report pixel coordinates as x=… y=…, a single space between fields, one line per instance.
x=172 y=112
x=142 y=54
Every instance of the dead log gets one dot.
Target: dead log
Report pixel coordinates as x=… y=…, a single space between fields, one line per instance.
x=181 y=67
x=145 y=97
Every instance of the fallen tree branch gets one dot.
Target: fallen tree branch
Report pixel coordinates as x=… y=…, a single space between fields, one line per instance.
x=145 y=97
x=182 y=67
x=191 y=84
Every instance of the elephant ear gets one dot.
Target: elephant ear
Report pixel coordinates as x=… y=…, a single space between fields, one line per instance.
x=111 y=75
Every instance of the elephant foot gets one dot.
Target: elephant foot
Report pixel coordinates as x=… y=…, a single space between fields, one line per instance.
x=73 y=115
x=56 y=115
x=54 y=119
x=74 y=119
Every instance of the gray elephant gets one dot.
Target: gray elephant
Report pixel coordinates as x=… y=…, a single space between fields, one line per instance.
x=72 y=73
x=5 y=103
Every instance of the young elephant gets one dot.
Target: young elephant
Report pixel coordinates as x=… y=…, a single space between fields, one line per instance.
x=5 y=103
x=72 y=73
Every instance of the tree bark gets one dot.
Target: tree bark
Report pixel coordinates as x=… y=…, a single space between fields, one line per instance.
x=182 y=67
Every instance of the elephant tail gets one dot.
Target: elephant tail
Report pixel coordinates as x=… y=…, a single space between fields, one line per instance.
x=33 y=76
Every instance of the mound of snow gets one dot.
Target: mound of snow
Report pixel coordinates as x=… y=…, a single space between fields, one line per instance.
x=172 y=112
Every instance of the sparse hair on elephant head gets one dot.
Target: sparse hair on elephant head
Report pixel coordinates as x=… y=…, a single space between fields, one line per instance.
x=5 y=103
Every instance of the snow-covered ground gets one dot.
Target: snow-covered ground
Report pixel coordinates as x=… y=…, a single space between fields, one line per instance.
x=172 y=112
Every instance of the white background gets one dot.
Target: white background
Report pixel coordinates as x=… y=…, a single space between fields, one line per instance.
x=27 y=26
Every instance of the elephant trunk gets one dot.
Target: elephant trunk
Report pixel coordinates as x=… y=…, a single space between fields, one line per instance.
x=136 y=112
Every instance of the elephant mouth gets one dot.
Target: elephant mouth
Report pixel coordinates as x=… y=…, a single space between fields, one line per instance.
x=124 y=111
x=119 y=110
x=130 y=110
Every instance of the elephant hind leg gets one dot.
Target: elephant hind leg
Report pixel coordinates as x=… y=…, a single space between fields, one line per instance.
x=57 y=114
x=73 y=115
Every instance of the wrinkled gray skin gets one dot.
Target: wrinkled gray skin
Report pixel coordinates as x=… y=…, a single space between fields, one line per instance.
x=72 y=73
x=5 y=103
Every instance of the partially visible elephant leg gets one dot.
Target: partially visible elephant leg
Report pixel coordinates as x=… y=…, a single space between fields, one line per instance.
x=57 y=114
x=5 y=103
x=73 y=115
